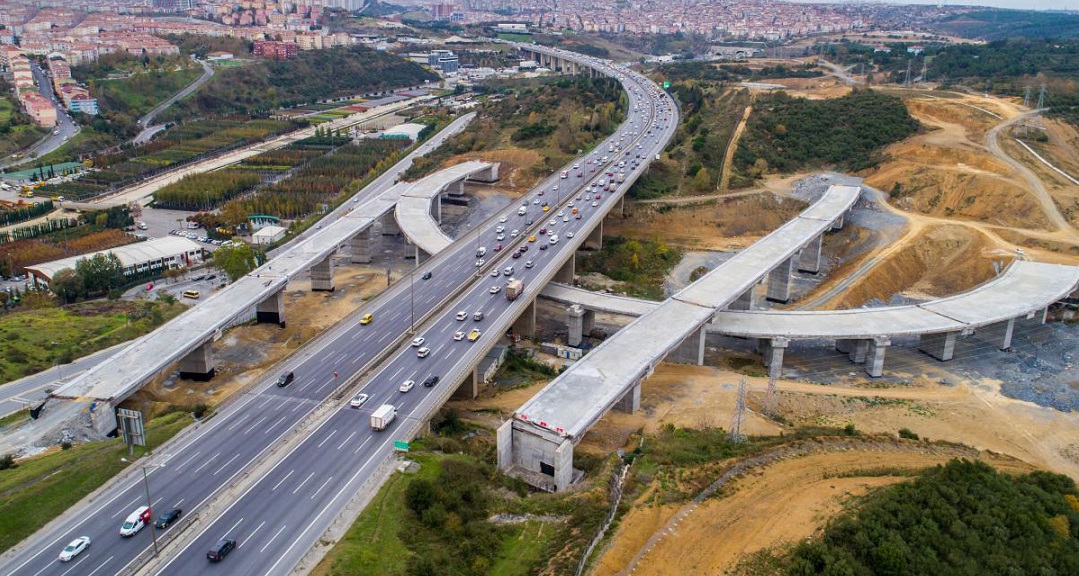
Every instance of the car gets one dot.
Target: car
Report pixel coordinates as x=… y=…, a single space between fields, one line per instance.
x=426 y=275
x=406 y=386
x=500 y=237
x=578 y=217
x=565 y=218
x=595 y=203
x=529 y=264
x=477 y=317
x=418 y=341
x=366 y=319
x=500 y=229
x=536 y=201
x=474 y=335
x=515 y=233
x=569 y=234
x=498 y=247
x=286 y=379
x=570 y=204
x=461 y=315
x=199 y=278
x=546 y=208
x=532 y=238
x=543 y=246
x=358 y=400
x=540 y=193
x=554 y=239
x=553 y=222
x=76 y=547
x=430 y=381
x=561 y=213
x=524 y=248
x=480 y=262
x=542 y=231
x=458 y=335
x=135 y=521
x=171 y=515
x=423 y=352
x=554 y=188
x=218 y=551
x=598 y=196
x=508 y=271
x=495 y=289
x=502 y=219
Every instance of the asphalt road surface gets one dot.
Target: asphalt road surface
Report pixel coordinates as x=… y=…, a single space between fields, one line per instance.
x=64 y=130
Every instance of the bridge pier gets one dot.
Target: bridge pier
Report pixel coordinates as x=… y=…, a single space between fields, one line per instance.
x=779 y=282
x=199 y=363
x=745 y=301
x=525 y=325
x=772 y=354
x=855 y=348
x=272 y=309
x=579 y=321
x=838 y=224
x=631 y=401
x=999 y=333
x=874 y=362
x=538 y=457
x=469 y=388
x=361 y=247
x=940 y=345
x=809 y=257
x=322 y=275
x=565 y=273
x=389 y=225
x=418 y=256
x=691 y=350
x=594 y=241
x=436 y=203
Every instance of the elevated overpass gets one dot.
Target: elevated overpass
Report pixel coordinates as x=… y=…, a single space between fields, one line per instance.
x=188 y=338
x=419 y=208
x=1024 y=291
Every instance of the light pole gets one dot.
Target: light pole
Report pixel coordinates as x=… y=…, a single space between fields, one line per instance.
x=412 y=299
x=149 y=500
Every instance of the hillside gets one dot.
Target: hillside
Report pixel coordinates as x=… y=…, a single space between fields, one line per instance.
x=1001 y=24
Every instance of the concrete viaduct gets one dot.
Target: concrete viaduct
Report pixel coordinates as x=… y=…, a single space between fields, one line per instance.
x=419 y=208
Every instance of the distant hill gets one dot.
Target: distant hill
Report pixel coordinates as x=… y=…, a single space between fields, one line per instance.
x=1003 y=24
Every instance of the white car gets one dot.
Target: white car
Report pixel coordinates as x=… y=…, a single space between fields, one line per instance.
x=76 y=547
x=496 y=289
x=553 y=222
x=480 y=262
x=529 y=264
x=461 y=315
x=418 y=341
x=500 y=229
x=502 y=219
x=515 y=233
x=565 y=218
x=458 y=335
x=569 y=234
x=423 y=352
x=406 y=386
x=358 y=400
x=595 y=203
x=495 y=273
x=554 y=239
x=561 y=213
x=500 y=237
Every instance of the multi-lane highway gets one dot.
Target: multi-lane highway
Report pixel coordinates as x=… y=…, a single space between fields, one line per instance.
x=282 y=514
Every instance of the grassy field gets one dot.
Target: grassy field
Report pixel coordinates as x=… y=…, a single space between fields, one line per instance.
x=40 y=489
x=34 y=340
x=642 y=265
x=138 y=94
x=18 y=136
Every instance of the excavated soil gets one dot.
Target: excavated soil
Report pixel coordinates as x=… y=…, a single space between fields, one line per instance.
x=514 y=171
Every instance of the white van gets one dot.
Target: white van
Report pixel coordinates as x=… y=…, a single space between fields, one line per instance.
x=135 y=521
x=481 y=251
x=521 y=211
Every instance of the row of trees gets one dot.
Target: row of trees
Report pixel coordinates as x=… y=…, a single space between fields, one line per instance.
x=18 y=254
x=15 y=213
x=94 y=276
x=206 y=190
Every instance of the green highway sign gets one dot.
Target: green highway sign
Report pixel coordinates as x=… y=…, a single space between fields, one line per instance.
x=400 y=446
x=666 y=85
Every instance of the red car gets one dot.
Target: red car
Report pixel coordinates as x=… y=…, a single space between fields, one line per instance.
x=516 y=254
x=543 y=231
x=498 y=247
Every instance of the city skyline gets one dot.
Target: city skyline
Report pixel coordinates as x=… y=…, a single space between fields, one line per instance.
x=1070 y=5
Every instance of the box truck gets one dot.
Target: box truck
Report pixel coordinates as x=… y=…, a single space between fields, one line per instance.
x=383 y=416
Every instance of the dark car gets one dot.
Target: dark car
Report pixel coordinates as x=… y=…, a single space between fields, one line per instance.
x=430 y=381
x=543 y=246
x=426 y=275
x=218 y=551
x=286 y=379
x=167 y=518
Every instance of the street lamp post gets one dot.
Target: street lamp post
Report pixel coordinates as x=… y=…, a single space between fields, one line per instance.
x=412 y=299
x=149 y=502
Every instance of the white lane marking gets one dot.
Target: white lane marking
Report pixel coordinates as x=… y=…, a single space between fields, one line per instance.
x=304 y=482
x=298 y=404
x=227 y=532
x=268 y=400
x=395 y=374
x=154 y=505
x=225 y=465
x=328 y=382
x=281 y=481
x=274 y=537
x=74 y=566
x=101 y=566
x=188 y=461
x=251 y=535
x=284 y=402
x=321 y=487
x=342 y=445
x=128 y=507
x=360 y=447
x=178 y=502
x=237 y=424
x=211 y=459
x=327 y=438
x=253 y=426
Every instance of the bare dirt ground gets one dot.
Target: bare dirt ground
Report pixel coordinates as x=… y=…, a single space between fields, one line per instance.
x=820 y=88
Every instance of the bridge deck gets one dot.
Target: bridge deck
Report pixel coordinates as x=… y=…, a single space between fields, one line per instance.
x=413 y=212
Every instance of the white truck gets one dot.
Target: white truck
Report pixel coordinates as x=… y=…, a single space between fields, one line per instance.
x=383 y=416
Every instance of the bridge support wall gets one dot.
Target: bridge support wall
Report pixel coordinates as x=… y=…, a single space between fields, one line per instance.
x=272 y=309
x=525 y=325
x=579 y=322
x=691 y=350
x=779 y=282
x=772 y=350
x=322 y=275
x=594 y=241
x=940 y=346
x=856 y=349
x=809 y=257
x=199 y=363
x=838 y=224
x=745 y=301
x=543 y=461
x=631 y=401
x=389 y=224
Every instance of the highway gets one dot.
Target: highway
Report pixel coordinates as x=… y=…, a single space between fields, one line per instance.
x=284 y=512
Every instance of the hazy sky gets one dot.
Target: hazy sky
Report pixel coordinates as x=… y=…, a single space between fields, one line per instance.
x=1020 y=4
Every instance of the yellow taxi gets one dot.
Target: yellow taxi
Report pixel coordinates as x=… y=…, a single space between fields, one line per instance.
x=546 y=208
x=366 y=319
x=532 y=238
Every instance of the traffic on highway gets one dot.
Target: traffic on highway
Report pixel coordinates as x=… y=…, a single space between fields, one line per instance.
x=266 y=524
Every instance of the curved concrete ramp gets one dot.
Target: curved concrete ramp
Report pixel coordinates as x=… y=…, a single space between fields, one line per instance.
x=419 y=208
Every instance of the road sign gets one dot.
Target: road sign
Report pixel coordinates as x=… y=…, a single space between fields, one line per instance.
x=400 y=446
x=131 y=426
x=666 y=85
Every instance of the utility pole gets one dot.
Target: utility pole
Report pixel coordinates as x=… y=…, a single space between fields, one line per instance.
x=1026 y=96
x=735 y=432
x=925 y=71
x=907 y=82
x=1041 y=97
x=770 y=397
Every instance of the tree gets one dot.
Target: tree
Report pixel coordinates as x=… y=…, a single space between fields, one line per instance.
x=66 y=286
x=99 y=273
x=236 y=258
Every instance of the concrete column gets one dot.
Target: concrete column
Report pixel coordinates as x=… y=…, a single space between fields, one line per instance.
x=809 y=258
x=940 y=346
x=362 y=247
x=855 y=349
x=999 y=333
x=779 y=282
x=575 y=324
x=691 y=350
x=322 y=275
x=456 y=188
x=565 y=273
x=563 y=466
x=389 y=224
x=745 y=301
x=773 y=355
x=470 y=386
x=589 y=321
x=874 y=363
x=504 y=445
x=199 y=363
x=631 y=401
x=594 y=241
x=838 y=224
x=525 y=325
x=272 y=309
x=436 y=208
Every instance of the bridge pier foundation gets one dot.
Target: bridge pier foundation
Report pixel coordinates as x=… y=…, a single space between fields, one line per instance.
x=199 y=363
x=838 y=224
x=322 y=275
x=361 y=247
x=999 y=333
x=874 y=362
x=525 y=325
x=772 y=354
x=809 y=257
x=940 y=346
x=470 y=386
x=779 y=282
x=565 y=273
x=594 y=241
x=579 y=321
x=272 y=309
x=436 y=203
x=855 y=348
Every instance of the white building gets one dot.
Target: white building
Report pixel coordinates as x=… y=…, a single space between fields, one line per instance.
x=151 y=255
x=268 y=235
